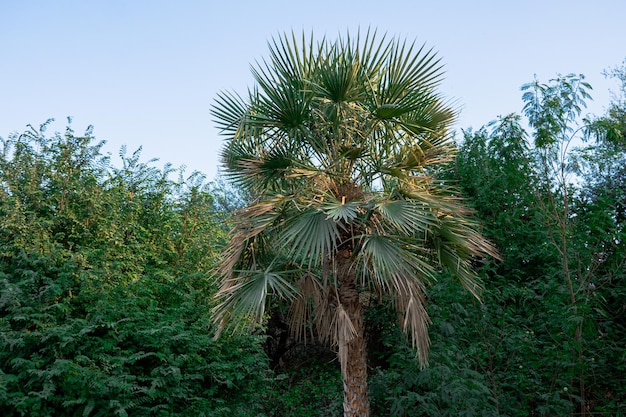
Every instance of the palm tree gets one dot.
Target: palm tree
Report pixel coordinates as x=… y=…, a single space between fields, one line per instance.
x=339 y=143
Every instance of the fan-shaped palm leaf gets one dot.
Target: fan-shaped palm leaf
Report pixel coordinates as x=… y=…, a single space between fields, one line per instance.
x=408 y=217
x=310 y=235
x=246 y=293
x=390 y=263
x=341 y=212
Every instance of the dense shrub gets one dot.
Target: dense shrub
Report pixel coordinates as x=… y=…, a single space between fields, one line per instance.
x=104 y=289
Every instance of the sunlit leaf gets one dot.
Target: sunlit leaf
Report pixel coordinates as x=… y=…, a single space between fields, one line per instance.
x=310 y=235
x=341 y=211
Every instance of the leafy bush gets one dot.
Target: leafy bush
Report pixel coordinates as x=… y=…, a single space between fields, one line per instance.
x=309 y=389
x=451 y=385
x=104 y=289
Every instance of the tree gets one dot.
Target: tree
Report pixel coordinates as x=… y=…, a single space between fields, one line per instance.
x=552 y=320
x=600 y=209
x=518 y=338
x=553 y=110
x=104 y=285
x=340 y=144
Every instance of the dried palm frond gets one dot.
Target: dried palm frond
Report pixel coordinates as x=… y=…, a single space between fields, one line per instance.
x=344 y=332
x=305 y=304
x=412 y=304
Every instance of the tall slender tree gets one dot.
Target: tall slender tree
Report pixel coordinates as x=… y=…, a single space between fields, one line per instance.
x=339 y=143
x=553 y=110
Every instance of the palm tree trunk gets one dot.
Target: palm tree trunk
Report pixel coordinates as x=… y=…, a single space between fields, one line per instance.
x=354 y=364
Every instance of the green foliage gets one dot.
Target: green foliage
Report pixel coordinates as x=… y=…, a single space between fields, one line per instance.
x=451 y=385
x=552 y=108
x=104 y=288
x=495 y=168
x=104 y=283
x=310 y=388
x=550 y=328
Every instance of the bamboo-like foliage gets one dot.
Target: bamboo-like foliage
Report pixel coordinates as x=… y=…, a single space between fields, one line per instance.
x=339 y=142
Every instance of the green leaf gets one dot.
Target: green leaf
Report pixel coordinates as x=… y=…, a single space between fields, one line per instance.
x=407 y=216
x=391 y=263
x=345 y=212
x=310 y=235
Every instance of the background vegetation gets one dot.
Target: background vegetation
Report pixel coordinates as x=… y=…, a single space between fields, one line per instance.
x=105 y=291
x=105 y=285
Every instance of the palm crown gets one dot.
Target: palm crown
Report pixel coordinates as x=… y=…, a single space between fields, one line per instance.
x=339 y=144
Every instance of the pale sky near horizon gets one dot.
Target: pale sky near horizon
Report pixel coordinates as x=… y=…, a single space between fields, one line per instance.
x=145 y=73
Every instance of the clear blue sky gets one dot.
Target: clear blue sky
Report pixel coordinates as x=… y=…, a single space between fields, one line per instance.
x=145 y=73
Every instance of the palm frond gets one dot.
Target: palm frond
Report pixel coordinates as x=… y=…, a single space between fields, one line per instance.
x=412 y=304
x=244 y=295
x=309 y=235
x=410 y=69
x=341 y=211
x=291 y=58
x=457 y=243
x=229 y=109
x=343 y=333
x=407 y=71
x=325 y=314
x=284 y=106
x=337 y=79
x=247 y=240
x=372 y=52
x=429 y=115
x=260 y=167
x=305 y=305
x=436 y=195
x=409 y=217
x=392 y=264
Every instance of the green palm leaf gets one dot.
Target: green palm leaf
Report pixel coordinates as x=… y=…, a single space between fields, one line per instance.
x=456 y=244
x=229 y=110
x=246 y=294
x=293 y=59
x=409 y=217
x=391 y=264
x=341 y=211
x=310 y=235
x=284 y=107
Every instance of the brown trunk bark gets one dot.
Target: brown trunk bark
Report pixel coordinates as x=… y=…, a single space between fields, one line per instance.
x=354 y=370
